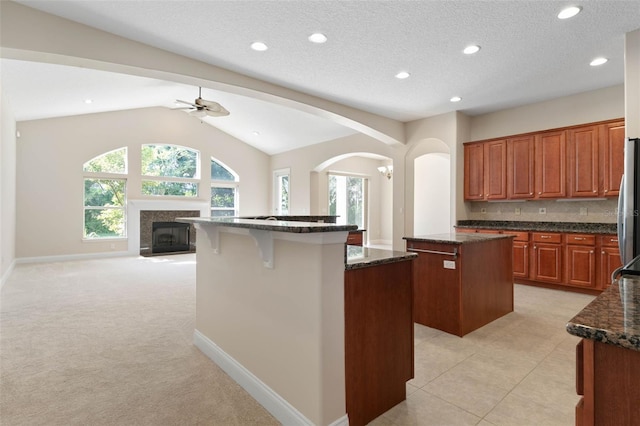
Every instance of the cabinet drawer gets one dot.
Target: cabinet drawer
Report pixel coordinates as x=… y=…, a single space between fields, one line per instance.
x=466 y=230
x=546 y=237
x=581 y=239
x=519 y=236
x=609 y=241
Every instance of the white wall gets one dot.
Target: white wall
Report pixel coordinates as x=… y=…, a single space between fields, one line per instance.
x=7 y=188
x=432 y=192
x=51 y=153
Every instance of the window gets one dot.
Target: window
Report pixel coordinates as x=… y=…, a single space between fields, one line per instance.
x=105 y=195
x=281 y=191
x=170 y=170
x=224 y=190
x=348 y=199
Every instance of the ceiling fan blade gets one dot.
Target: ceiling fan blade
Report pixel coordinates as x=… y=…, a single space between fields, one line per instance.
x=217 y=113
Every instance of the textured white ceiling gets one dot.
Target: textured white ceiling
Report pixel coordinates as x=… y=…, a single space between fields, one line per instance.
x=527 y=55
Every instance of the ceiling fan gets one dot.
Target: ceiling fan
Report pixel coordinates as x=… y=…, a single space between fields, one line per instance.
x=202 y=107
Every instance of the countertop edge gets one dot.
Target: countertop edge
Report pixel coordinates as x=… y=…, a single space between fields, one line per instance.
x=566 y=227
x=367 y=263
x=603 y=336
x=271 y=225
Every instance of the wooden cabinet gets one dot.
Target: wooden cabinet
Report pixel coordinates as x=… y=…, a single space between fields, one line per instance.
x=583 y=156
x=520 y=253
x=520 y=181
x=612 y=157
x=580 y=265
x=355 y=238
x=607 y=377
x=459 y=287
x=609 y=259
x=485 y=171
x=572 y=162
x=378 y=326
x=547 y=257
x=550 y=164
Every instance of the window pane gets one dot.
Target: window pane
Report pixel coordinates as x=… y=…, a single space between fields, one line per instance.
x=222 y=213
x=169 y=160
x=346 y=199
x=181 y=189
x=283 y=185
x=104 y=192
x=104 y=223
x=223 y=197
x=219 y=172
x=111 y=162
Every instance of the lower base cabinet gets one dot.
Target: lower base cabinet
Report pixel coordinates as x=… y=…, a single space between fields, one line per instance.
x=378 y=338
x=581 y=262
x=607 y=377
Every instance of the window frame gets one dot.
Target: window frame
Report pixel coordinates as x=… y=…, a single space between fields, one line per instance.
x=365 y=194
x=218 y=183
x=196 y=179
x=105 y=176
x=277 y=194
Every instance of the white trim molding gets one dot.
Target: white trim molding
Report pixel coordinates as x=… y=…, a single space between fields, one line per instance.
x=284 y=412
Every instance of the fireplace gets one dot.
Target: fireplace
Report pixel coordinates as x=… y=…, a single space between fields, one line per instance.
x=161 y=234
x=170 y=237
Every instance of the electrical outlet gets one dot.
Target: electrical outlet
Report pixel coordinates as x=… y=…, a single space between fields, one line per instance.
x=583 y=211
x=483 y=211
x=542 y=210
x=518 y=211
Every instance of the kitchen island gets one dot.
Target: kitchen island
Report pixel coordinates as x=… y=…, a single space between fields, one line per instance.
x=461 y=281
x=287 y=310
x=608 y=356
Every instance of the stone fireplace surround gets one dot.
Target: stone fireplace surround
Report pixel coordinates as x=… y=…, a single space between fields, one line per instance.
x=148 y=217
x=173 y=208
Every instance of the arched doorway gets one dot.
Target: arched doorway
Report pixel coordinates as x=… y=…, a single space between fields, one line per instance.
x=432 y=194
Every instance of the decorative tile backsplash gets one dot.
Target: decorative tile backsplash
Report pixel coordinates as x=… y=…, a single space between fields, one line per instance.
x=600 y=211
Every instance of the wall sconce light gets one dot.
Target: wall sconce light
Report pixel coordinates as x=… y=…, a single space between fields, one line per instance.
x=386 y=171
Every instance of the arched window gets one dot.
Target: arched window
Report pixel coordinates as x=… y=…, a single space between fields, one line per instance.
x=105 y=195
x=224 y=190
x=170 y=170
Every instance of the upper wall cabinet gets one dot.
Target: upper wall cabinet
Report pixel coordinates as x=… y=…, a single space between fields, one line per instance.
x=574 y=162
x=485 y=171
x=550 y=164
x=520 y=180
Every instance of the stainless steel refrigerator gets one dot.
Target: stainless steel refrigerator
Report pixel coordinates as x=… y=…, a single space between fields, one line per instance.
x=629 y=203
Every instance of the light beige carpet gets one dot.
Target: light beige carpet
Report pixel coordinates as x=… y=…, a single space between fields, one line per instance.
x=109 y=342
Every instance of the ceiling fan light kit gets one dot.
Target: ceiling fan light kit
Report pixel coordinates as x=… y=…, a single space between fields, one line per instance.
x=202 y=107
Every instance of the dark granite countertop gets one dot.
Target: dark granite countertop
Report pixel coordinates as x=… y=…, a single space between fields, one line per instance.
x=362 y=257
x=270 y=225
x=454 y=238
x=613 y=317
x=316 y=218
x=567 y=227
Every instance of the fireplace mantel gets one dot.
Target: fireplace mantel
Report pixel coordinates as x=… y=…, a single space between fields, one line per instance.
x=135 y=206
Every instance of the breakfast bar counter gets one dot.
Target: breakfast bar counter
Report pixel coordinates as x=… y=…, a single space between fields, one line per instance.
x=316 y=331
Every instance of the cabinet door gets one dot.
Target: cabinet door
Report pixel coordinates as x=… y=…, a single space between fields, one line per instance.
x=521 y=259
x=581 y=265
x=550 y=164
x=612 y=158
x=547 y=264
x=583 y=161
x=474 y=172
x=609 y=262
x=520 y=184
x=495 y=170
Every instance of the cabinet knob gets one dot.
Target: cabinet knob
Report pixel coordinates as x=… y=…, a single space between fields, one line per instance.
x=539 y=193
x=525 y=246
x=606 y=190
x=531 y=193
x=591 y=252
x=602 y=252
x=595 y=190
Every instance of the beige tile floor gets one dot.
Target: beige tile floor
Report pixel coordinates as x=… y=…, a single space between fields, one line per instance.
x=517 y=371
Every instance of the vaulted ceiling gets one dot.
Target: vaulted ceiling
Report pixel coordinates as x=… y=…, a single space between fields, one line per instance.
x=526 y=55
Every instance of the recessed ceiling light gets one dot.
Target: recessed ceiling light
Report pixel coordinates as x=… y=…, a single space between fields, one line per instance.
x=402 y=75
x=469 y=50
x=569 y=12
x=598 y=61
x=255 y=133
x=318 y=38
x=88 y=101
x=259 y=46
x=455 y=99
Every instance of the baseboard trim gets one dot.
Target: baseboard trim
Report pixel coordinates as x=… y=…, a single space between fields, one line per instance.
x=68 y=257
x=7 y=274
x=284 y=412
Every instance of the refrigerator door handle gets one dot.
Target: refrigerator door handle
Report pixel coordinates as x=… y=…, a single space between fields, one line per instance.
x=620 y=227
